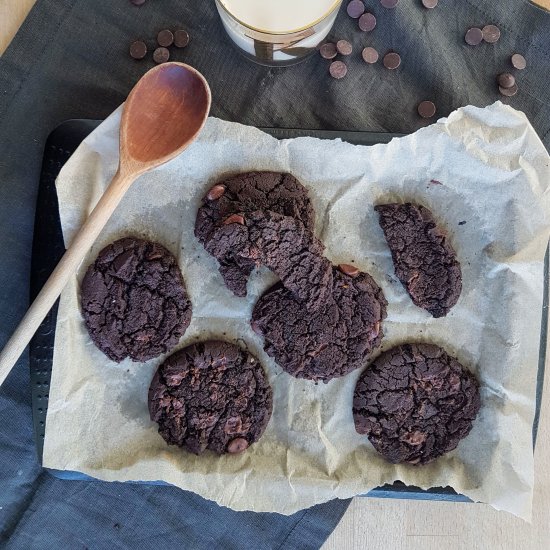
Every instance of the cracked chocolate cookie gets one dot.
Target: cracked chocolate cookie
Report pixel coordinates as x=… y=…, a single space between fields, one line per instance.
x=212 y=395
x=281 y=193
x=415 y=403
x=330 y=342
x=281 y=243
x=134 y=300
x=424 y=260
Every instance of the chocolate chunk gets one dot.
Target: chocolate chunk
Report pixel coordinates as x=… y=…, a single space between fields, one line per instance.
x=161 y=55
x=370 y=55
x=165 y=38
x=338 y=70
x=392 y=60
x=344 y=47
x=430 y=4
x=244 y=193
x=349 y=270
x=134 y=300
x=330 y=342
x=215 y=193
x=390 y=4
x=355 y=8
x=506 y=80
x=138 y=49
x=508 y=92
x=474 y=36
x=415 y=403
x=491 y=34
x=424 y=260
x=328 y=50
x=426 y=109
x=181 y=38
x=211 y=395
x=285 y=246
x=518 y=61
x=367 y=22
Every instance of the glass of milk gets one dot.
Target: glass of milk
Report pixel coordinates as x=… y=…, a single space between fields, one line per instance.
x=277 y=32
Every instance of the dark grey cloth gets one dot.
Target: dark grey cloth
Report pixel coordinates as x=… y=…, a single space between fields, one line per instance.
x=70 y=60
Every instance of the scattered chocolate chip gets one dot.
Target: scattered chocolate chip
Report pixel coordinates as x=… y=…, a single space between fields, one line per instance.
x=328 y=50
x=367 y=22
x=506 y=80
x=473 y=36
x=430 y=4
x=237 y=445
x=389 y=3
x=161 y=55
x=338 y=69
x=344 y=47
x=138 y=49
x=392 y=60
x=508 y=92
x=370 y=55
x=165 y=38
x=518 y=61
x=215 y=193
x=462 y=222
x=355 y=8
x=490 y=33
x=234 y=218
x=138 y=2
x=349 y=270
x=426 y=109
x=181 y=38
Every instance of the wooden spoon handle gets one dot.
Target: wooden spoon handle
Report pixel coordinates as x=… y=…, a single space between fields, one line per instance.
x=70 y=261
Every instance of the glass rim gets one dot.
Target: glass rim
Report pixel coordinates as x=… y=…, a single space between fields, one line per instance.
x=332 y=8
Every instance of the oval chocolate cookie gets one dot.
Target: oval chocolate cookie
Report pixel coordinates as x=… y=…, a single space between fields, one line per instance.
x=415 y=403
x=330 y=342
x=281 y=193
x=134 y=300
x=424 y=260
x=281 y=243
x=211 y=395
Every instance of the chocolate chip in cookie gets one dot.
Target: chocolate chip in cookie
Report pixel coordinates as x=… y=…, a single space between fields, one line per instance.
x=415 y=403
x=212 y=395
x=330 y=342
x=243 y=193
x=134 y=300
x=424 y=260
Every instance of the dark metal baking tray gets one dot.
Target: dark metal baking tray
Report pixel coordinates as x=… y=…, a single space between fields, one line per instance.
x=48 y=248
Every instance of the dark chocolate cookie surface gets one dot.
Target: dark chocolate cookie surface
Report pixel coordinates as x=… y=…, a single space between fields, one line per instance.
x=424 y=260
x=281 y=243
x=330 y=342
x=243 y=193
x=134 y=300
x=415 y=403
x=212 y=395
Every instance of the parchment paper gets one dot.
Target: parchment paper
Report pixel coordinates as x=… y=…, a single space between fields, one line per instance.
x=494 y=175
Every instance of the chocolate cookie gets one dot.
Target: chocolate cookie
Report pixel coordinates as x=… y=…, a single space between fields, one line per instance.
x=330 y=342
x=424 y=260
x=415 y=403
x=211 y=395
x=282 y=244
x=281 y=193
x=134 y=300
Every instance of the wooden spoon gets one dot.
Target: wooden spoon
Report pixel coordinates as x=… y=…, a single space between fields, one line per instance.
x=163 y=114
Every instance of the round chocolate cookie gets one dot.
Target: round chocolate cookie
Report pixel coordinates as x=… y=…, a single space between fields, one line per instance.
x=281 y=193
x=330 y=342
x=284 y=245
x=134 y=300
x=415 y=403
x=211 y=395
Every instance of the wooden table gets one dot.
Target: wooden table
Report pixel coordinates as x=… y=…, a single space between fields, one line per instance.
x=382 y=524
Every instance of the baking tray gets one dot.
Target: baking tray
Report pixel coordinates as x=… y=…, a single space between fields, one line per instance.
x=48 y=248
